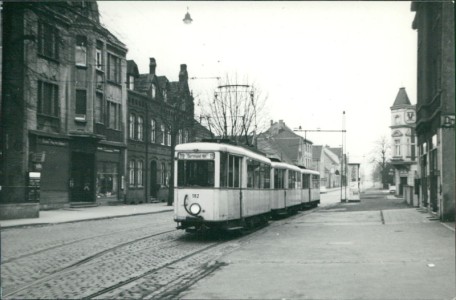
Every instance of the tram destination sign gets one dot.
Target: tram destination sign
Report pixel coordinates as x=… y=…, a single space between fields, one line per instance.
x=196 y=156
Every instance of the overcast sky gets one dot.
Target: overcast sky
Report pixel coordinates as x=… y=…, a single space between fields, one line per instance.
x=312 y=59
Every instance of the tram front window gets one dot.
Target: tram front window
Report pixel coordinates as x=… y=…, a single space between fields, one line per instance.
x=195 y=173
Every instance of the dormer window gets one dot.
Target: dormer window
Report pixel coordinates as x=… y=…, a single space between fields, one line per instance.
x=153 y=91
x=131 y=82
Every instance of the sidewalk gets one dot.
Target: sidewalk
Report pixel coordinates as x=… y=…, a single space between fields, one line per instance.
x=89 y=213
x=392 y=253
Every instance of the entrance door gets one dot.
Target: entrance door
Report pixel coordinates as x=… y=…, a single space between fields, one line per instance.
x=82 y=177
x=401 y=185
x=153 y=179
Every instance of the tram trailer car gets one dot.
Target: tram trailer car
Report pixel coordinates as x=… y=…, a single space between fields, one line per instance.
x=310 y=192
x=223 y=186
x=220 y=186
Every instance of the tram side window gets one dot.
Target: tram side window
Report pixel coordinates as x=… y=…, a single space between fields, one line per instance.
x=279 y=178
x=298 y=180
x=305 y=181
x=291 y=179
x=265 y=176
x=195 y=173
x=315 y=182
x=230 y=167
x=256 y=174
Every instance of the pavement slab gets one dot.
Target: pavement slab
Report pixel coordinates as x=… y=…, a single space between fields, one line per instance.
x=339 y=257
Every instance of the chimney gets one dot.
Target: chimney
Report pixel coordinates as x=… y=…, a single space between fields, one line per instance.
x=183 y=75
x=281 y=123
x=152 y=66
x=272 y=122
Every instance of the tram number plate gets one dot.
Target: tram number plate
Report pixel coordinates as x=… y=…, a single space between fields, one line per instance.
x=195 y=196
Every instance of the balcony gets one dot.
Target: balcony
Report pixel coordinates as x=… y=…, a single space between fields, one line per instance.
x=109 y=133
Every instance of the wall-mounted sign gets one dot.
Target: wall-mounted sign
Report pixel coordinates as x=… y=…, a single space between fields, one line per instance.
x=410 y=116
x=196 y=156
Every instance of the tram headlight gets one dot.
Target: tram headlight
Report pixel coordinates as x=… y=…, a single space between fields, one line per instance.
x=195 y=208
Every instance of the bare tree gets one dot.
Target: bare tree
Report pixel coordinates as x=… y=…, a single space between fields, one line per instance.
x=380 y=157
x=236 y=111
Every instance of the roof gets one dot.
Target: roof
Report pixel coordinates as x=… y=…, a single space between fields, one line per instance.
x=272 y=149
x=143 y=83
x=336 y=151
x=132 y=68
x=401 y=98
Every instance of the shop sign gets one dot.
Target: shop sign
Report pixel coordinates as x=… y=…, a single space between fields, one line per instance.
x=46 y=141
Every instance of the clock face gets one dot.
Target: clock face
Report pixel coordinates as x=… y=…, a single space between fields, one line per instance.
x=410 y=116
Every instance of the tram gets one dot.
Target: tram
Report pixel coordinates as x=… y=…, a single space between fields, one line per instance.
x=225 y=186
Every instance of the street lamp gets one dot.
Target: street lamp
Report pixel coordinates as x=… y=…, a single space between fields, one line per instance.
x=187 y=19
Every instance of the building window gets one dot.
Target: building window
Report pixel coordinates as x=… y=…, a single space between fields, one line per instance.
x=163 y=174
x=114 y=68
x=48 y=41
x=99 y=56
x=179 y=137
x=131 y=173
x=81 y=102
x=113 y=115
x=152 y=131
x=131 y=126
x=140 y=125
x=139 y=173
x=162 y=130
x=107 y=179
x=169 y=137
x=99 y=59
x=397 y=147
x=81 y=51
x=99 y=108
x=48 y=101
x=131 y=82
x=185 y=136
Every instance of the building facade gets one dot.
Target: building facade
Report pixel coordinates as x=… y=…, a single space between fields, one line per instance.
x=160 y=116
x=327 y=161
x=435 y=108
x=286 y=146
x=63 y=108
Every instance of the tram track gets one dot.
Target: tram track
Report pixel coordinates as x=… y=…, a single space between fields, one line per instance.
x=12 y=259
x=66 y=269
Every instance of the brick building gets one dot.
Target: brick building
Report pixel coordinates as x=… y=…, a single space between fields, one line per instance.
x=435 y=108
x=63 y=109
x=287 y=145
x=160 y=115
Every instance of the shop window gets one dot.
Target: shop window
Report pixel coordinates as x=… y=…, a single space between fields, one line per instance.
x=163 y=174
x=107 y=179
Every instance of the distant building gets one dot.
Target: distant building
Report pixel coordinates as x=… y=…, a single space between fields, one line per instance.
x=326 y=160
x=404 y=154
x=281 y=141
x=435 y=108
x=63 y=108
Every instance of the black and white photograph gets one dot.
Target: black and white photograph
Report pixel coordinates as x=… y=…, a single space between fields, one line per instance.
x=227 y=150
